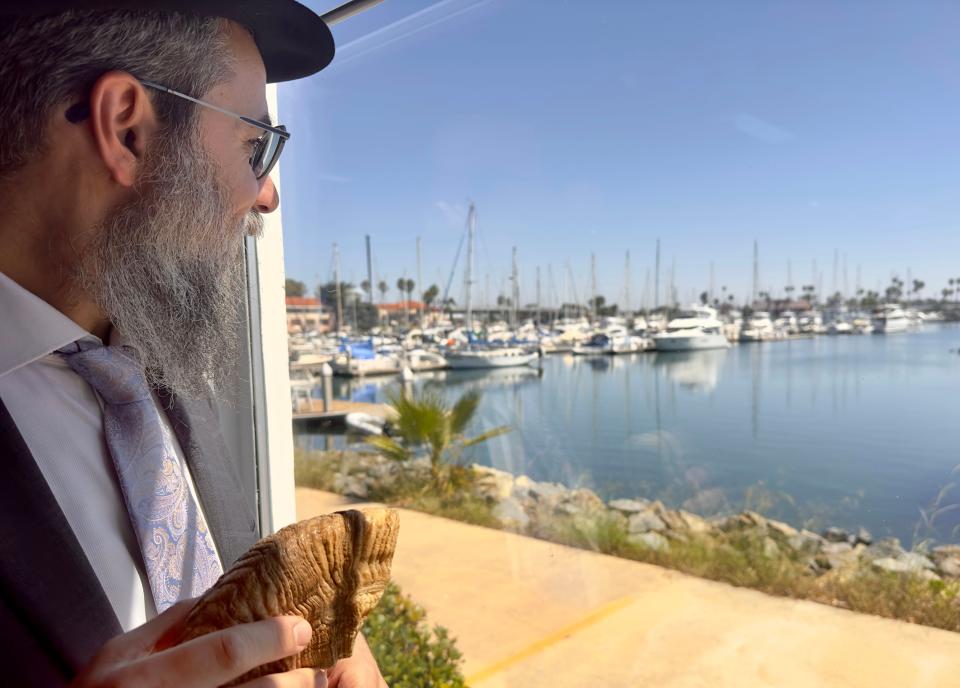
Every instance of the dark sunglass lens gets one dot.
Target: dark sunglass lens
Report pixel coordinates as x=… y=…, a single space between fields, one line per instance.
x=259 y=153
x=270 y=152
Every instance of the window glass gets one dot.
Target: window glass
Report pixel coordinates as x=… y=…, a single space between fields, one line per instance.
x=699 y=263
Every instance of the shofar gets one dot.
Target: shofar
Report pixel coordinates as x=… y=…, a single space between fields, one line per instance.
x=331 y=570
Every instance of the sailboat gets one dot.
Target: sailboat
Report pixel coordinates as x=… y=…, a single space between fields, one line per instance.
x=475 y=355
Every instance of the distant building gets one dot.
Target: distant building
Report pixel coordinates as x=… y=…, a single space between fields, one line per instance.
x=305 y=314
x=396 y=312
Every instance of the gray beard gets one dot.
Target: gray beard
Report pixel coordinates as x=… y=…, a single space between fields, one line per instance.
x=168 y=271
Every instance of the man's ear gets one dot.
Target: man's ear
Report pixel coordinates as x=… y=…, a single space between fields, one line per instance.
x=122 y=120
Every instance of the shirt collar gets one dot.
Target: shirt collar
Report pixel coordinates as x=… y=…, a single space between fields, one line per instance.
x=32 y=327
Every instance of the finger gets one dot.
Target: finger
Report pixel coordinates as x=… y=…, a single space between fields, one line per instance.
x=146 y=637
x=298 y=678
x=221 y=656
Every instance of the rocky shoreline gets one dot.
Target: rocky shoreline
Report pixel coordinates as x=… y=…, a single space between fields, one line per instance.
x=523 y=505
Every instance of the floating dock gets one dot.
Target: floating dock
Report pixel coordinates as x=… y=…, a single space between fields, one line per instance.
x=311 y=413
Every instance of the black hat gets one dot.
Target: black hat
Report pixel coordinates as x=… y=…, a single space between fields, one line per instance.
x=293 y=41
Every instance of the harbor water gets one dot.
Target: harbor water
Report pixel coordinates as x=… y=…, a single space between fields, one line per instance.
x=846 y=430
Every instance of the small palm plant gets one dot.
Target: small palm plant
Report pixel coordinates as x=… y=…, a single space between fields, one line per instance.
x=428 y=424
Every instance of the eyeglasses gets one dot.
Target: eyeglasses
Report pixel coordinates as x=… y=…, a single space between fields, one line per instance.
x=266 y=148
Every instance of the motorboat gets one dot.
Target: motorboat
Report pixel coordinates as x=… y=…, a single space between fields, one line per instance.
x=360 y=359
x=889 y=319
x=840 y=327
x=611 y=342
x=694 y=329
x=495 y=357
x=612 y=337
x=419 y=360
x=758 y=328
x=810 y=322
x=787 y=323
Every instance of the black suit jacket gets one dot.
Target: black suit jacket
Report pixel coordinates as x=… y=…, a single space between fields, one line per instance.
x=54 y=615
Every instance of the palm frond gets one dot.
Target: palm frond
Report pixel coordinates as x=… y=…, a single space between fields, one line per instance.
x=484 y=436
x=463 y=411
x=388 y=447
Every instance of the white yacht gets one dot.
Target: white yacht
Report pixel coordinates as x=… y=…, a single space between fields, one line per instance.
x=787 y=323
x=694 y=329
x=889 y=318
x=612 y=341
x=758 y=328
x=810 y=322
x=505 y=357
x=419 y=360
x=840 y=327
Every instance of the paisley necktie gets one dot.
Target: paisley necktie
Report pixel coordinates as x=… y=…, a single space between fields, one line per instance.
x=177 y=549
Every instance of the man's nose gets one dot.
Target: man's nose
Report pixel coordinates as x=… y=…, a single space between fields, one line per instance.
x=268 y=197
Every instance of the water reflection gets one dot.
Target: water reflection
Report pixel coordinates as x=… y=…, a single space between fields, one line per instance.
x=833 y=431
x=695 y=370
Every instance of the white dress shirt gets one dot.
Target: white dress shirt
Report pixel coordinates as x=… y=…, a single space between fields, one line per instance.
x=60 y=417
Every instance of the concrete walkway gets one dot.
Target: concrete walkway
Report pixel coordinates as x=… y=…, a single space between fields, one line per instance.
x=531 y=614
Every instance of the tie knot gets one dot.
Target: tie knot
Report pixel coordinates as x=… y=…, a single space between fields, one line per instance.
x=113 y=371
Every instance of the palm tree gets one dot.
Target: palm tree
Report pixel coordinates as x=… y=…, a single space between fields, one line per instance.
x=383 y=287
x=428 y=424
x=365 y=287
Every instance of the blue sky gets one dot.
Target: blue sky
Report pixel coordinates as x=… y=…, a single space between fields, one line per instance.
x=817 y=128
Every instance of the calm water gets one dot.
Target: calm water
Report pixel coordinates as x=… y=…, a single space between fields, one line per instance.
x=848 y=431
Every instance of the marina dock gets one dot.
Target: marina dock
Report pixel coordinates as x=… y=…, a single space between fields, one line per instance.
x=313 y=413
x=531 y=613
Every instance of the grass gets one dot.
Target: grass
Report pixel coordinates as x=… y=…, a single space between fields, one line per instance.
x=318 y=470
x=740 y=558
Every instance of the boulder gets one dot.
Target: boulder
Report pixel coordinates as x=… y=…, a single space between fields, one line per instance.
x=629 y=506
x=781 y=528
x=549 y=493
x=884 y=548
x=509 y=511
x=747 y=520
x=350 y=485
x=949 y=566
x=521 y=487
x=837 y=535
x=836 y=555
x=580 y=501
x=645 y=521
x=945 y=552
x=493 y=484
x=654 y=541
x=770 y=549
x=806 y=541
x=694 y=523
x=909 y=562
x=863 y=536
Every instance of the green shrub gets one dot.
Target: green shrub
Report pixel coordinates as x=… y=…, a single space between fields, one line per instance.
x=313 y=469
x=410 y=654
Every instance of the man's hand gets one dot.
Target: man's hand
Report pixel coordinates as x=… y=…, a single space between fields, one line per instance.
x=357 y=671
x=133 y=659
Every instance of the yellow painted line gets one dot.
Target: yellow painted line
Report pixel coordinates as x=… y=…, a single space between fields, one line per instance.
x=552 y=639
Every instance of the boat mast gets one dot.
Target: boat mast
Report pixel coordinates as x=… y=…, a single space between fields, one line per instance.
x=756 y=273
x=538 y=297
x=468 y=275
x=336 y=280
x=656 y=280
x=420 y=282
x=514 y=291
x=626 y=286
x=593 y=287
x=369 y=272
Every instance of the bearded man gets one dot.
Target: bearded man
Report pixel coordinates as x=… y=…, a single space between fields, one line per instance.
x=136 y=154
